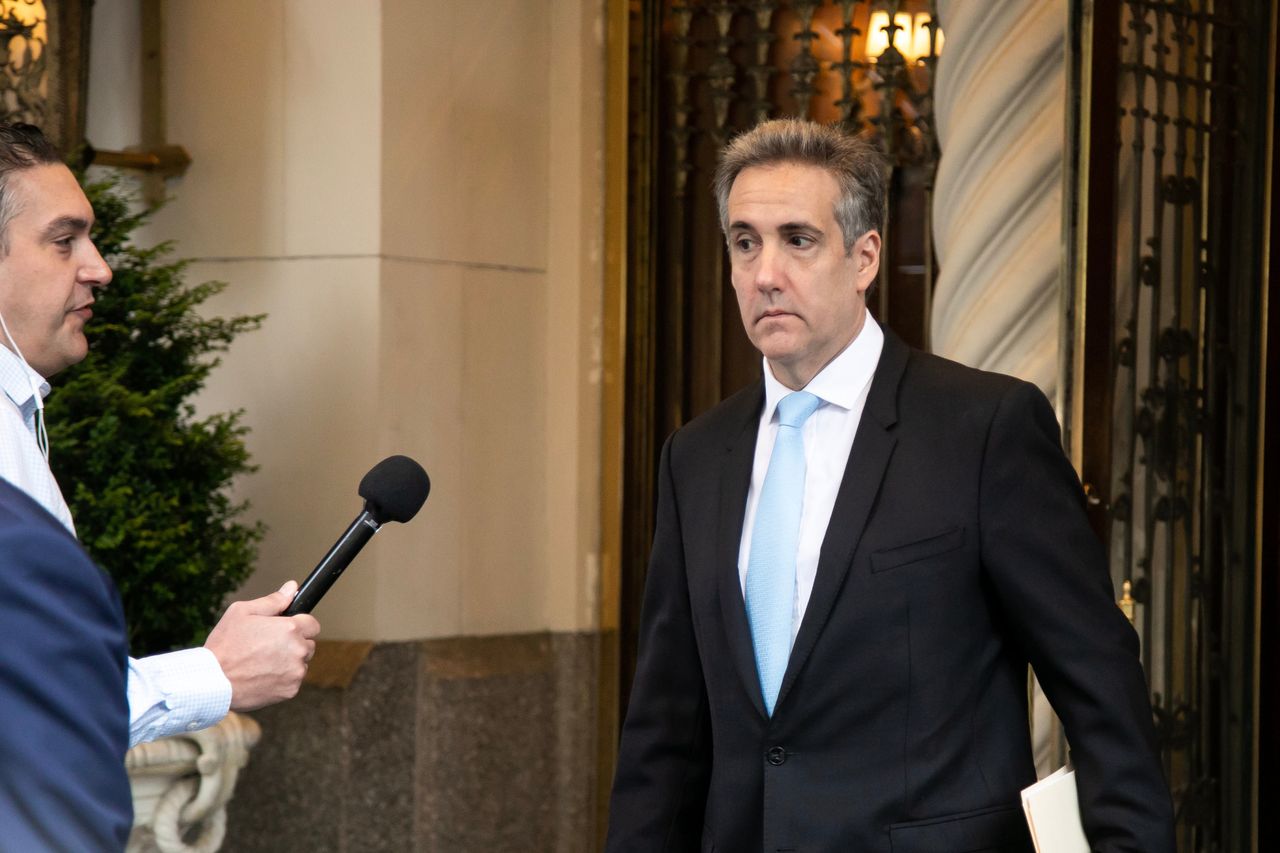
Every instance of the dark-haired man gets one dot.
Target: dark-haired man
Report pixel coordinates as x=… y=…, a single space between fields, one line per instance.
x=855 y=560
x=50 y=272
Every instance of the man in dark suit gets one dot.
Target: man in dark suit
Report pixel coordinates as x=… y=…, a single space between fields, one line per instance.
x=855 y=560
x=64 y=719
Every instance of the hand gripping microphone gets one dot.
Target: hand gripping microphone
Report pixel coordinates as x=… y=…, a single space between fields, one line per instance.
x=393 y=490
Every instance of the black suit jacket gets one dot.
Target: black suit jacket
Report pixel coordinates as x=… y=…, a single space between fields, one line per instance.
x=958 y=552
x=64 y=716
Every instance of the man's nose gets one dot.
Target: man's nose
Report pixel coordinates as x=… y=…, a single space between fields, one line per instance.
x=769 y=272
x=95 y=272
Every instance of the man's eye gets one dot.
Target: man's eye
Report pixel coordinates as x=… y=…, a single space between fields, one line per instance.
x=800 y=241
x=64 y=243
x=743 y=244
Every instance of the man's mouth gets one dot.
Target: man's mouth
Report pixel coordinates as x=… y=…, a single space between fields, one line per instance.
x=84 y=312
x=774 y=313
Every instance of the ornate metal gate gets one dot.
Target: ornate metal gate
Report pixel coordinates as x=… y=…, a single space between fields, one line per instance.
x=1167 y=370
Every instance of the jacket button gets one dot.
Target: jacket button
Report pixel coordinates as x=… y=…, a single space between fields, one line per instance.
x=777 y=755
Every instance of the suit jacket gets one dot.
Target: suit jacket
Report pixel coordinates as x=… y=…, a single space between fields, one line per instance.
x=958 y=552
x=64 y=717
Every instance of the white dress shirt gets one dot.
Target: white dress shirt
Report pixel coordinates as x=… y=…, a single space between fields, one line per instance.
x=21 y=462
x=170 y=693
x=828 y=437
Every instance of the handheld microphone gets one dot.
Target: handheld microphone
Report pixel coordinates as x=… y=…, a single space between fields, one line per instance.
x=393 y=490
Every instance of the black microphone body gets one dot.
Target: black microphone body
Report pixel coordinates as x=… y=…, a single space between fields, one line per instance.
x=393 y=490
x=334 y=564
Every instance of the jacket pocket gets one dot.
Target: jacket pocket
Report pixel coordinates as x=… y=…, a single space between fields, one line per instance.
x=921 y=549
x=999 y=828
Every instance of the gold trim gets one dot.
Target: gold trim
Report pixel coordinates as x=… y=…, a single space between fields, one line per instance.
x=614 y=323
x=336 y=662
x=1260 y=492
x=1075 y=398
x=613 y=392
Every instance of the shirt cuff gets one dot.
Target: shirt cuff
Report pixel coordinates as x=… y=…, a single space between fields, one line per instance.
x=175 y=693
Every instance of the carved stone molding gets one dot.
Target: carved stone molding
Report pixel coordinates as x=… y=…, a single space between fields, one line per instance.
x=181 y=786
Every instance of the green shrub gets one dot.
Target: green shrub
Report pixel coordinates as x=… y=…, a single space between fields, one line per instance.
x=147 y=481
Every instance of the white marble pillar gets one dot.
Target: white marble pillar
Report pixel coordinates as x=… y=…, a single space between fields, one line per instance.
x=1000 y=104
x=1000 y=101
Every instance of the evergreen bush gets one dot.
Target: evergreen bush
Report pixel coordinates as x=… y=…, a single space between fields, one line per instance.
x=147 y=481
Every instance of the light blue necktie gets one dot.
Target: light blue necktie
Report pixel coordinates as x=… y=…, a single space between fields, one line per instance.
x=771 y=567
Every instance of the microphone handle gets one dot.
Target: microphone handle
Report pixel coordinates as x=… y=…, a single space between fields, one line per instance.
x=333 y=564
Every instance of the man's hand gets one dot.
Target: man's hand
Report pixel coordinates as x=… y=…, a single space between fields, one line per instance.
x=263 y=654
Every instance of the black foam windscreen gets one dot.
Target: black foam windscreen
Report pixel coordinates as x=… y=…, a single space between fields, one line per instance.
x=395 y=489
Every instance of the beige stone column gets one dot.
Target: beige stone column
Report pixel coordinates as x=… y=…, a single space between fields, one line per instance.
x=410 y=190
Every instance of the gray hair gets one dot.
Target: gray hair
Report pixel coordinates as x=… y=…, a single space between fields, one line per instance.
x=859 y=169
x=22 y=146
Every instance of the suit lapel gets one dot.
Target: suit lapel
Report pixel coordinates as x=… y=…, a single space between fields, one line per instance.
x=735 y=480
x=868 y=459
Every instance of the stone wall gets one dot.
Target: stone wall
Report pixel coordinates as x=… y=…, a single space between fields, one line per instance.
x=460 y=744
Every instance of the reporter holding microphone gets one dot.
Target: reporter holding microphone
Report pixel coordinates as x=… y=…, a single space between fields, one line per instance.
x=50 y=272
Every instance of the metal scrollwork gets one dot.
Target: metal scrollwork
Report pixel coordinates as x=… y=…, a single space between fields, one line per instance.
x=722 y=74
x=1177 y=429
x=804 y=68
x=23 y=49
x=724 y=57
x=681 y=132
x=850 y=103
x=761 y=70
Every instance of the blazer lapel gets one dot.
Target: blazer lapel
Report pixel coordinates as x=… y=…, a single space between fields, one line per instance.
x=868 y=459
x=735 y=480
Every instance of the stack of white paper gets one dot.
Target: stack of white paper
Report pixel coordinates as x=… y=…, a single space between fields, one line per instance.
x=1053 y=814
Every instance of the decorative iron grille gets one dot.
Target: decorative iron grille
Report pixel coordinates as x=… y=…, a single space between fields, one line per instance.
x=44 y=50
x=1185 y=356
x=24 y=52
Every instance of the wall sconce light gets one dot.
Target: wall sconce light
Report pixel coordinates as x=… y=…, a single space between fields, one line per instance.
x=911 y=38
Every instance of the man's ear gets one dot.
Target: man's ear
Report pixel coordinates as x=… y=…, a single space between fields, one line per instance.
x=866 y=254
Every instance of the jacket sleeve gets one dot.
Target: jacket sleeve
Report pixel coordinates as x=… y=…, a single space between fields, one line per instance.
x=664 y=760
x=63 y=715
x=1049 y=575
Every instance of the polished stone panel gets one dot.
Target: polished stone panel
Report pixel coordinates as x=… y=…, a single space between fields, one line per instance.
x=291 y=794
x=459 y=744
x=381 y=712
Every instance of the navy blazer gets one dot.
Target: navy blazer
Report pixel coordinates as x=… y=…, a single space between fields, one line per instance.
x=958 y=552
x=64 y=715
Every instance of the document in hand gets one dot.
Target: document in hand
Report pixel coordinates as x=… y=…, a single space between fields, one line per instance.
x=1053 y=814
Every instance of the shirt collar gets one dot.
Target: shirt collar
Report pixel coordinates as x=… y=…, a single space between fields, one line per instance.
x=17 y=378
x=844 y=378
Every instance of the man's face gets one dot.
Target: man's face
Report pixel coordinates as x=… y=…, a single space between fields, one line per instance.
x=802 y=297
x=48 y=276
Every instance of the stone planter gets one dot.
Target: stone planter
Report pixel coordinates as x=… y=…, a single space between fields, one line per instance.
x=181 y=786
